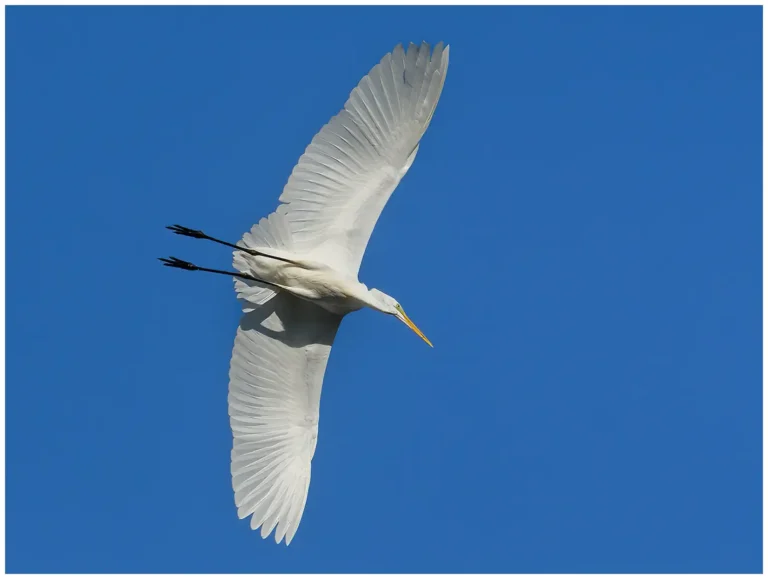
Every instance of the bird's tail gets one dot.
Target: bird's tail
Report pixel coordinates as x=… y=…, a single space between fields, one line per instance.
x=271 y=232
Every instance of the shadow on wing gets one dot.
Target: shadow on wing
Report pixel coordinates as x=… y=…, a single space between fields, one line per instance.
x=294 y=322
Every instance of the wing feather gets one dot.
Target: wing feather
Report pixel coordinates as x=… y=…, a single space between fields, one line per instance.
x=276 y=377
x=341 y=183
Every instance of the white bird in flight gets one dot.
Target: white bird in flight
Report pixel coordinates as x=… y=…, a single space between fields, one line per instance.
x=297 y=278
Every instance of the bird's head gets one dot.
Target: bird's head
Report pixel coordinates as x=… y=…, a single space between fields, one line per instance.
x=389 y=305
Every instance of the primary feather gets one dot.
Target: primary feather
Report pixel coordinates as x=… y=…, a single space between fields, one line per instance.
x=275 y=379
x=341 y=183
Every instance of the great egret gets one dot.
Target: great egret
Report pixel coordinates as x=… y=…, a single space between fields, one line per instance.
x=297 y=277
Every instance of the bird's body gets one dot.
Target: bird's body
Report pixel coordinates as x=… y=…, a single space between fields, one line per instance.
x=297 y=276
x=309 y=280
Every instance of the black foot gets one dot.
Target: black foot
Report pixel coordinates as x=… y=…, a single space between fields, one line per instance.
x=180 y=263
x=197 y=234
x=181 y=230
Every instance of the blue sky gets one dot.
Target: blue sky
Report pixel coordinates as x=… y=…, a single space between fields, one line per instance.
x=579 y=237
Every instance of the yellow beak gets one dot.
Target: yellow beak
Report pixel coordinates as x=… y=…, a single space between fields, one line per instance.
x=407 y=321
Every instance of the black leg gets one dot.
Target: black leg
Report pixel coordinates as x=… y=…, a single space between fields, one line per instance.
x=197 y=234
x=181 y=264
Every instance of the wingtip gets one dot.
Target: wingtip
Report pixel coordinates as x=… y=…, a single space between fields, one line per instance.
x=432 y=49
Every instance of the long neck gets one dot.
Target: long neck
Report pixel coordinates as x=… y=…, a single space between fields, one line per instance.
x=375 y=299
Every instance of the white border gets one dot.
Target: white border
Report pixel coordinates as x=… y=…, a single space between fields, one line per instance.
x=765 y=300
x=2 y=293
x=385 y=2
x=365 y=2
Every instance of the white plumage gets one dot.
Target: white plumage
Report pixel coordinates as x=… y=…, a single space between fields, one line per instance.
x=298 y=277
x=341 y=183
x=276 y=376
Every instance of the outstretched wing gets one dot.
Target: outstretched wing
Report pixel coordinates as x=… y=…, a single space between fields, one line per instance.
x=275 y=378
x=338 y=189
